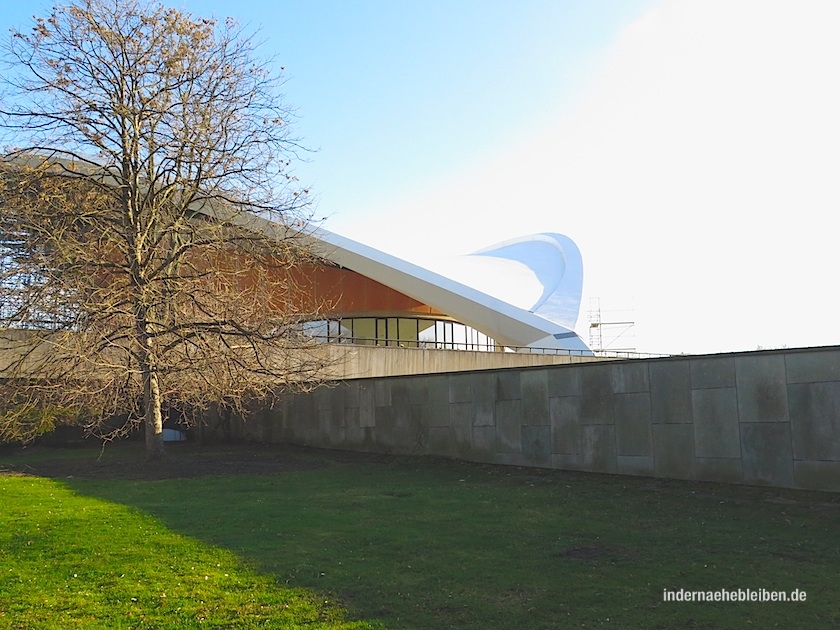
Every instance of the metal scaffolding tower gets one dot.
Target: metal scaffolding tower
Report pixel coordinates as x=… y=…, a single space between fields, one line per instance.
x=605 y=335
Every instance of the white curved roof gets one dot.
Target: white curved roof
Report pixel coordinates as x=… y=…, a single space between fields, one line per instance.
x=488 y=290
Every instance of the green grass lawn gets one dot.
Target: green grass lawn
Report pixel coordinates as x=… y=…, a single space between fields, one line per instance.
x=71 y=561
x=408 y=543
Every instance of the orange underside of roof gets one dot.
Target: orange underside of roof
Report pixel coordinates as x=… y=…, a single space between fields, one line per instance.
x=341 y=292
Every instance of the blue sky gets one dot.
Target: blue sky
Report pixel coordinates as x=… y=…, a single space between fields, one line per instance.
x=395 y=94
x=689 y=147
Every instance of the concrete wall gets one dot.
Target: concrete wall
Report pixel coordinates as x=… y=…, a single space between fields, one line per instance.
x=351 y=361
x=765 y=418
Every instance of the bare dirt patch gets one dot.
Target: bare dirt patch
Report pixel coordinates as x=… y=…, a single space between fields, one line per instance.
x=128 y=461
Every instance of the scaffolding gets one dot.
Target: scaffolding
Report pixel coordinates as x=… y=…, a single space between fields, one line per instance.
x=610 y=334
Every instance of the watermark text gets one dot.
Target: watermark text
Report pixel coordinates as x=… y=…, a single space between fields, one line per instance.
x=733 y=595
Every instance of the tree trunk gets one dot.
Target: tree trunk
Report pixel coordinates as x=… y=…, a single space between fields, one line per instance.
x=151 y=395
x=154 y=417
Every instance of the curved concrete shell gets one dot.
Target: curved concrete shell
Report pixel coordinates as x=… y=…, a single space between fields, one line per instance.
x=541 y=273
x=552 y=260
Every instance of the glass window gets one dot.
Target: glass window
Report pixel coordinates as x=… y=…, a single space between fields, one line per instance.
x=408 y=332
x=405 y=332
x=364 y=330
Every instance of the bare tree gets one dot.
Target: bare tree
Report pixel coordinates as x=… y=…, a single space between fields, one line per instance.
x=136 y=268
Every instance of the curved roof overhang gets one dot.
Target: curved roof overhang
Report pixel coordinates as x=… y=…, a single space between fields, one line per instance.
x=507 y=324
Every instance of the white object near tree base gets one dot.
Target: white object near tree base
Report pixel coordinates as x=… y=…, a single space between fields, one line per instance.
x=173 y=435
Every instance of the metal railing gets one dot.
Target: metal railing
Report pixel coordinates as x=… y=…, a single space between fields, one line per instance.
x=481 y=347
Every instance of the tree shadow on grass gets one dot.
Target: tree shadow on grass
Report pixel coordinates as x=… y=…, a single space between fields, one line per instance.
x=420 y=543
